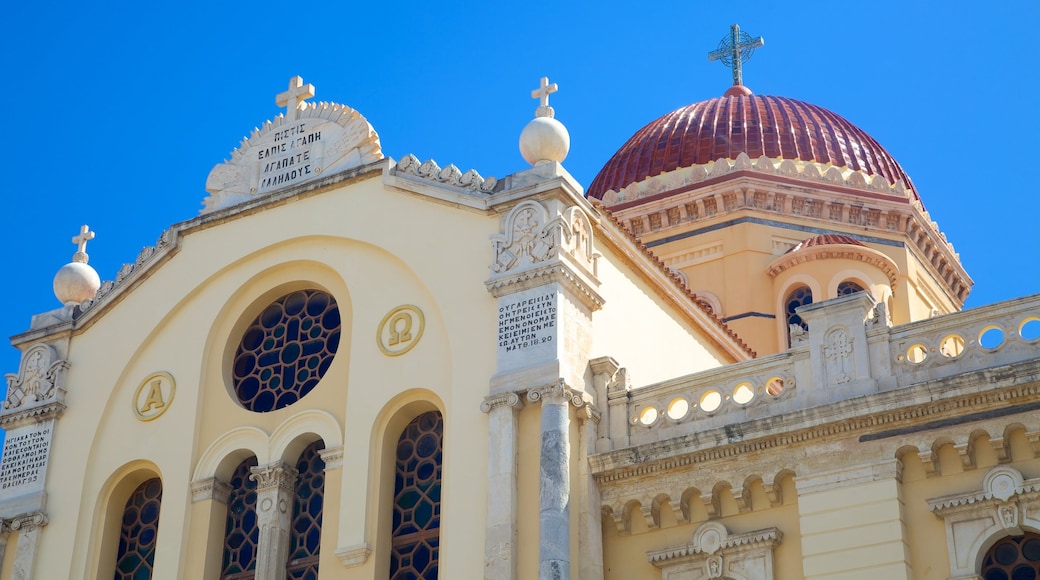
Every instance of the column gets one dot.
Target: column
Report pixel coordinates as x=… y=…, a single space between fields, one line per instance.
x=554 y=562
x=28 y=528
x=590 y=518
x=274 y=500
x=208 y=519
x=501 y=534
x=851 y=523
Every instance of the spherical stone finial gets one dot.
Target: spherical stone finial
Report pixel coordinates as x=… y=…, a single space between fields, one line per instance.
x=75 y=283
x=544 y=140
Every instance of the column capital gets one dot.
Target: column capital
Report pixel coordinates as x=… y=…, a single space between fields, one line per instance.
x=26 y=523
x=558 y=392
x=275 y=475
x=511 y=399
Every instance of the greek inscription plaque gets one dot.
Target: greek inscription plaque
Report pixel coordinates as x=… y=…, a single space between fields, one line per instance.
x=527 y=323
x=24 y=462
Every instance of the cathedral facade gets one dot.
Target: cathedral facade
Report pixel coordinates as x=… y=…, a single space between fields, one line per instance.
x=739 y=354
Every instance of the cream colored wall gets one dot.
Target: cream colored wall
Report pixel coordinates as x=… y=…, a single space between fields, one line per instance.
x=642 y=331
x=184 y=319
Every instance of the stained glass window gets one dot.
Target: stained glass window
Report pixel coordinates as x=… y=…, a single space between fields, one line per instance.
x=286 y=350
x=848 y=287
x=1013 y=558
x=137 y=539
x=417 y=500
x=798 y=297
x=241 y=533
x=305 y=541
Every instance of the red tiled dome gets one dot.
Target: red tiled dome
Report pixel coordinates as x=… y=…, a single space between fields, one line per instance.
x=723 y=127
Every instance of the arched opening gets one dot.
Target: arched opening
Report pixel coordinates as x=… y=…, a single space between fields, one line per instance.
x=305 y=539
x=849 y=287
x=799 y=296
x=242 y=532
x=415 y=539
x=1013 y=558
x=138 y=535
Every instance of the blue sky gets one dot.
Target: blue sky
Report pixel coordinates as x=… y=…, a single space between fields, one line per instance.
x=118 y=111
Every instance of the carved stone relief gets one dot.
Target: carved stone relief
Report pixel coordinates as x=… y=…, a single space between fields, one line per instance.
x=714 y=554
x=39 y=378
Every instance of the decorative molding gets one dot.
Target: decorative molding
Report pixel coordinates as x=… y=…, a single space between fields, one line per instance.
x=692 y=257
x=353 y=556
x=211 y=488
x=513 y=400
x=450 y=175
x=40 y=379
x=128 y=273
x=344 y=140
x=863 y=254
x=547 y=274
x=714 y=554
x=333 y=457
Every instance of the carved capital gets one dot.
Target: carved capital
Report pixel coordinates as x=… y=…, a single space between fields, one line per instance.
x=559 y=393
x=278 y=475
x=27 y=522
x=332 y=456
x=512 y=400
x=211 y=488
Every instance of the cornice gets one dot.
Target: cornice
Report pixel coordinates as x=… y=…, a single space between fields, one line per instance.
x=836 y=251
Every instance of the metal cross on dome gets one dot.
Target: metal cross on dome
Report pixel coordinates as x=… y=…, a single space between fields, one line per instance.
x=734 y=50
x=292 y=98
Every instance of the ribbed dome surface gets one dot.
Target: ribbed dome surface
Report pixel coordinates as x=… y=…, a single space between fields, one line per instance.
x=723 y=127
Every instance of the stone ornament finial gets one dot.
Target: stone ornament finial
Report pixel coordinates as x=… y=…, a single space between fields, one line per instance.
x=294 y=97
x=76 y=281
x=544 y=139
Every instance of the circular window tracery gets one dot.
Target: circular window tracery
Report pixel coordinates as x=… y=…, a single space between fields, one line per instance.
x=286 y=350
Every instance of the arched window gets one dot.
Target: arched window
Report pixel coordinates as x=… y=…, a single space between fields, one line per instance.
x=849 y=287
x=241 y=534
x=305 y=542
x=137 y=539
x=1013 y=558
x=800 y=296
x=417 y=500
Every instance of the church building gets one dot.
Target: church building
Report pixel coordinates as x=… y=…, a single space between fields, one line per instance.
x=738 y=353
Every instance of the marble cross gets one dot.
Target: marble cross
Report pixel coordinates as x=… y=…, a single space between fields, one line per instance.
x=84 y=236
x=542 y=93
x=294 y=97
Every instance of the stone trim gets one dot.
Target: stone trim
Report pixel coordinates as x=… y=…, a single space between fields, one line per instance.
x=276 y=475
x=332 y=456
x=1005 y=504
x=353 y=556
x=713 y=553
x=210 y=489
x=429 y=171
x=836 y=251
x=862 y=415
x=26 y=523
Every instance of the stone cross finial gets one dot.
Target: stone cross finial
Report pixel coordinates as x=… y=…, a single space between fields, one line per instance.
x=735 y=50
x=542 y=93
x=294 y=97
x=84 y=236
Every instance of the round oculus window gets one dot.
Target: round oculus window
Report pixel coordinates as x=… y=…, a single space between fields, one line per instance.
x=286 y=350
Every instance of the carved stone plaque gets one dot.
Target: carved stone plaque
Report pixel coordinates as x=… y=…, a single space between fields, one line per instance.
x=528 y=327
x=24 y=465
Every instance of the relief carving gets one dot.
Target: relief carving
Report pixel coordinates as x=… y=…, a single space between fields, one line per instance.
x=838 y=350
x=38 y=379
x=527 y=239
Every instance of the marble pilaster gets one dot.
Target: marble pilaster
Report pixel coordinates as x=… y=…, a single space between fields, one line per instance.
x=28 y=528
x=500 y=548
x=274 y=497
x=554 y=560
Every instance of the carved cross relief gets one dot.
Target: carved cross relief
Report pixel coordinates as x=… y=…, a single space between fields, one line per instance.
x=838 y=351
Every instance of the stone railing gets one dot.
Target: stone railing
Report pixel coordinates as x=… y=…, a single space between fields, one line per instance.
x=848 y=352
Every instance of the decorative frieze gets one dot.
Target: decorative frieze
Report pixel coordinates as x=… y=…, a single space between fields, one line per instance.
x=429 y=170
